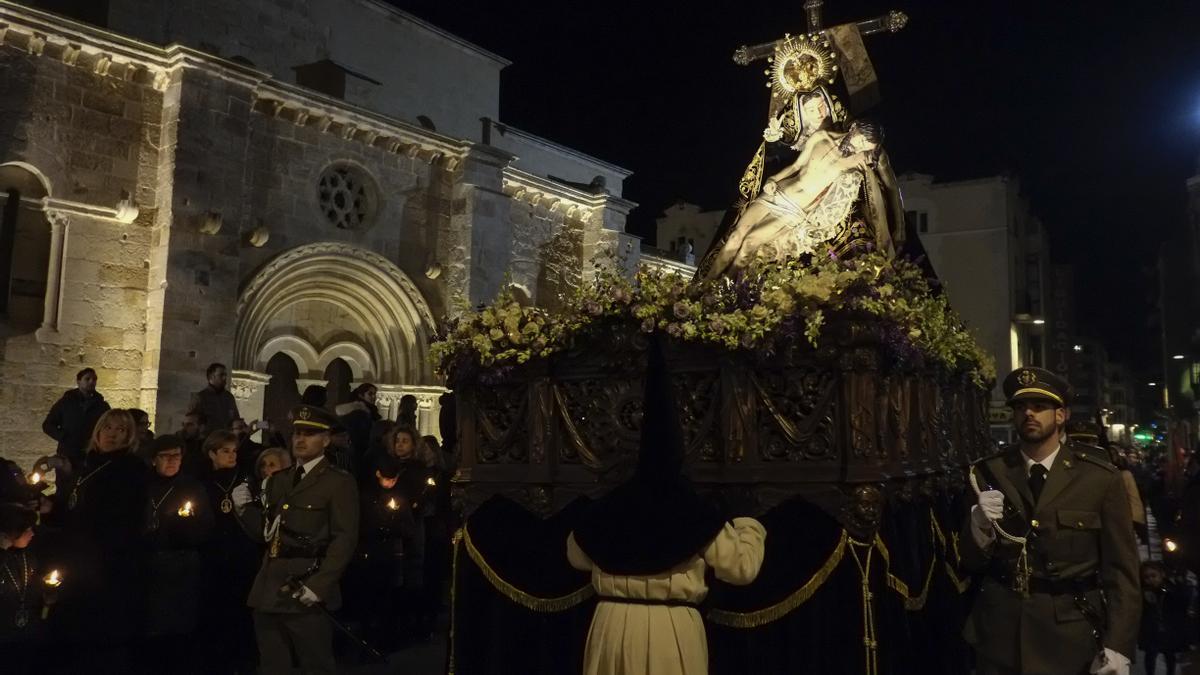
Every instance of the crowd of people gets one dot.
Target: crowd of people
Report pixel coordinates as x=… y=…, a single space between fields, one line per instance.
x=133 y=558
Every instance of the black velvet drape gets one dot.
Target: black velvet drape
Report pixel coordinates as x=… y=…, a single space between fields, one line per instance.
x=495 y=634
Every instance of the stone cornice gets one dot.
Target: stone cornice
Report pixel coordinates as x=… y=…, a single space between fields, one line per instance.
x=83 y=46
x=538 y=191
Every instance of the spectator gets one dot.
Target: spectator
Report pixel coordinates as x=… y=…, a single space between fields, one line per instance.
x=314 y=395
x=376 y=583
x=407 y=415
x=230 y=560
x=439 y=533
x=1164 y=617
x=102 y=510
x=22 y=593
x=1136 y=508
x=141 y=424
x=359 y=415
x=178 y=520
x=195 y=429
x=72 y=419
x=247 y=449
x=415 y=484
x=214 y=401
x=271 y=461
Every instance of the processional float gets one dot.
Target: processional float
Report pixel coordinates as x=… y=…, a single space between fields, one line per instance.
x=824 y=386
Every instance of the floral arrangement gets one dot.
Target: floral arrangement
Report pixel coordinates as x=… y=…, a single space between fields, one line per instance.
x=767 y=309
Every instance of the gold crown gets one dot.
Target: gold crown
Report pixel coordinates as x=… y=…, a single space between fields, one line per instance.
x=800 y=63
x=1027 y=378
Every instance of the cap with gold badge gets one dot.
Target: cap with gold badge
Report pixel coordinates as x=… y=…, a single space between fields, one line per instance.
x=1024 y=384
x=312 y=417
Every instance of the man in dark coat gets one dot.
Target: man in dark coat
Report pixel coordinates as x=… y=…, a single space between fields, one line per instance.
x=359 y=416
x=1066 y=600
x=72 y=419
x=309 y=521
x=214 y=401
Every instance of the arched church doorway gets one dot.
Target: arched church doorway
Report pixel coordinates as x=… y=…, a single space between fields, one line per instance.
x=340 y=315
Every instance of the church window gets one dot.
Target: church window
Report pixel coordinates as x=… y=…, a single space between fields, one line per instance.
x=346 y=196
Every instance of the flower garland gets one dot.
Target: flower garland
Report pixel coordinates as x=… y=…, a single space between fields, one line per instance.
x=766 y=309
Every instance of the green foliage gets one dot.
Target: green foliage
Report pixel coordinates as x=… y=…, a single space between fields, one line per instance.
x=768 y=308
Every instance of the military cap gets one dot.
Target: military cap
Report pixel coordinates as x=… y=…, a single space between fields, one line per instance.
x=313 y=417
x=1036 y=383
x=1084 y=430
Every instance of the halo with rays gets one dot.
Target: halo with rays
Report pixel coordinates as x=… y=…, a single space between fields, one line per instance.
x=800 y=63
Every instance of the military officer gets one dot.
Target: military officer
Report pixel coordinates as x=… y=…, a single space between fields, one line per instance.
x=1051 y=534
x=308 y=518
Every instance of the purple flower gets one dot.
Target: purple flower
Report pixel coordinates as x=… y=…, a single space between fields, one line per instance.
x=717 y=325
x=674 y=330
x=647 y=325
x=681 y=310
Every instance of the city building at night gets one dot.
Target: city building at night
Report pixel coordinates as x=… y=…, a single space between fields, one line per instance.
x=300 y=190
x=991 y=254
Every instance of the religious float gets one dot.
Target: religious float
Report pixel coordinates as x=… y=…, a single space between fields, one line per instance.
x=823 y=385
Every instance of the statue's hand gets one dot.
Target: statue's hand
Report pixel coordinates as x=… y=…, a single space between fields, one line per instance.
x=769 y=187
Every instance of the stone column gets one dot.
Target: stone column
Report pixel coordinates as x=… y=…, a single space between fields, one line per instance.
x=54 y=271
x=249 y=388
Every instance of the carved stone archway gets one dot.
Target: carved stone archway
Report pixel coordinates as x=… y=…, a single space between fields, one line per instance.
x=397 y=322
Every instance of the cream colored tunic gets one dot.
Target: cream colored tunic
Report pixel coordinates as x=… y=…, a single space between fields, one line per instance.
x=628 y=639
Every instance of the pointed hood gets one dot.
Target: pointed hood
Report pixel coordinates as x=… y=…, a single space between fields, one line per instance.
x=655 y=521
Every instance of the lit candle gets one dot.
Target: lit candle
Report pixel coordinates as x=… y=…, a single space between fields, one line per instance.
x=392 y=504
x=35 y=478
x=186 y=509
x=431 y=482
x=53 y=579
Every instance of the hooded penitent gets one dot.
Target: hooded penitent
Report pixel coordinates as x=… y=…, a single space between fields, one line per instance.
x=655 y=521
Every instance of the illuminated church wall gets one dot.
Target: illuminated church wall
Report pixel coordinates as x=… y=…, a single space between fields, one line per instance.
x=189 y=209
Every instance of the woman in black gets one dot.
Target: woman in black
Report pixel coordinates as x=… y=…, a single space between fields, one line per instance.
x=230 y=560
x=22 y=592
x=178 y=520
x=101 y=510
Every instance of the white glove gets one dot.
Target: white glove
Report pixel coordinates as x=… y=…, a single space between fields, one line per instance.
x=306 y=597
x=1109 y=662
x=241 y=497
x=989 y=509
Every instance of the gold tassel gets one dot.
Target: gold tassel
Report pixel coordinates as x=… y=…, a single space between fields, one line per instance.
x=517 y=595
x=779 y=610
x=870 y=642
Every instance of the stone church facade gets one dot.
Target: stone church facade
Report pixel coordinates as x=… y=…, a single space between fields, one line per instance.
x=300 y=190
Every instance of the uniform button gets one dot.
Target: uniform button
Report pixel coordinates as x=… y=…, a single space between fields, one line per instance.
x=1035 y=523
x=285 y=506
x=1079 y=524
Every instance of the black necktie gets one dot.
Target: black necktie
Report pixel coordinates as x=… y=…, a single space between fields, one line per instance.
x=298 y=476
x=1037 y=480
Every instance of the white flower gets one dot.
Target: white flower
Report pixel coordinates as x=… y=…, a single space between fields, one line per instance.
x=774 y=130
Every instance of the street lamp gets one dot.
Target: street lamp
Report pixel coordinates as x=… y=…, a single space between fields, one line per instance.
x=1178 y=357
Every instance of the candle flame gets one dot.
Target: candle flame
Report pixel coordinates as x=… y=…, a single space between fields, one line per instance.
x=186 y=509
x=392 y=504
x=53 y=579
x=35 y=478
x=431 y=482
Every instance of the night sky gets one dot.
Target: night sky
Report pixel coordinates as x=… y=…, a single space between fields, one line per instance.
x=1095 y=106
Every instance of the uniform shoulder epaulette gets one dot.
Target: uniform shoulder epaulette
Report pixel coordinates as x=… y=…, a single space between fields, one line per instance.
x=1091 y=457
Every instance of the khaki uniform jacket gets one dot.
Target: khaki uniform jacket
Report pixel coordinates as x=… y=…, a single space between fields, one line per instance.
x=320 y=512
x=1079 y=529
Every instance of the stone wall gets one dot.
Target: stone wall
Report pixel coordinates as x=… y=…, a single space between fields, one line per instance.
x=251 y=171
x=94 y=130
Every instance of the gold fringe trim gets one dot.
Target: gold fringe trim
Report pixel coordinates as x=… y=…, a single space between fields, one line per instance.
x=911 y=603
x=960 y=584
x=515 y=594
x=782 y=608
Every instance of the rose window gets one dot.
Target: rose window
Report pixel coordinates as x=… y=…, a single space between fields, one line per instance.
x=345 y=197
